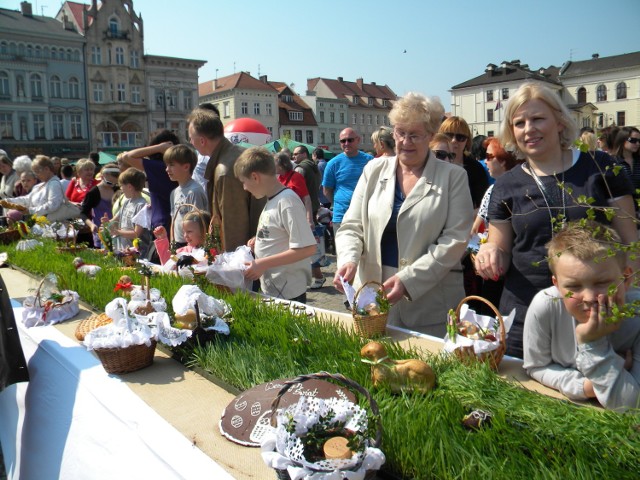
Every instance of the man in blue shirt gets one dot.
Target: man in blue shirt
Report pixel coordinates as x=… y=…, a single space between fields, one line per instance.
x=342 y=173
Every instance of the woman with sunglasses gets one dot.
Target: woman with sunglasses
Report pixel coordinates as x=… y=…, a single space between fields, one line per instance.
x=626 y=150
x=98 y=201
x=408 y=223
x=457 y=129
x=531 y=202
x=441 y=148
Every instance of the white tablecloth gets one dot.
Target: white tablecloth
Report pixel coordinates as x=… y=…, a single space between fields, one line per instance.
x=74 y=421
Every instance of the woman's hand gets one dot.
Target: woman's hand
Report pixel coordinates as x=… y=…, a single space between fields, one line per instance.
x=490 y=262
x=160 y=232
x=395 y=289
x=348 y=272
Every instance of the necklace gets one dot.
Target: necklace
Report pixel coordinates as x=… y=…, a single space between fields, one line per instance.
x=559 y=221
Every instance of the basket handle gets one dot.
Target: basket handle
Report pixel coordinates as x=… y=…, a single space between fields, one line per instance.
x=341 y=379
x=503 y=332
x=354 y=307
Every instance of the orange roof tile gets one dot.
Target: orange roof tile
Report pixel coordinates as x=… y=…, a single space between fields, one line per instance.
x=240 y=80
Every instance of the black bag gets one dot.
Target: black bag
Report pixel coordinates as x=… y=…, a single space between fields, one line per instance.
x=13 y=367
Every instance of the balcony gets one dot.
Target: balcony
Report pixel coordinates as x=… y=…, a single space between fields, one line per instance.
x=116 y=35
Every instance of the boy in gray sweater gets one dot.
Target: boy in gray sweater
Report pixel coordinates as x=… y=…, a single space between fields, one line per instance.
x=571 y=342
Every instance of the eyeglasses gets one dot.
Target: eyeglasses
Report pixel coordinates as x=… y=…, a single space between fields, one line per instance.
x=111 y=184
x=457 y=136
x=347 y=140
x=633 y=140
x=412 y=137
x=442 y=155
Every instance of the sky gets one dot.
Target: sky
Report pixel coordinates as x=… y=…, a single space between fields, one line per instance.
x=446 y=42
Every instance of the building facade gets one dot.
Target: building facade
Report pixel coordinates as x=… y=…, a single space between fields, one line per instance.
x=240 y=95
x=42 y=86
x=339 y=104
x=172 y=90
x=295 y=117
x=599 y=92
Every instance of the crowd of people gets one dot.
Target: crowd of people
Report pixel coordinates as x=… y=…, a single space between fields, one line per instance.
x=402 y=215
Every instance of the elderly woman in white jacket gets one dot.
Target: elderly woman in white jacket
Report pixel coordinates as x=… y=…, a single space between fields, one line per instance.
x=408 y=223
x=47 y=197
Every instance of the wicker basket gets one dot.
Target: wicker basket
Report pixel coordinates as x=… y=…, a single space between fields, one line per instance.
x=368 y=326
x=126 y=360
x=494 y=357
x=91 y=323
x=9 y=236
x=341 y=379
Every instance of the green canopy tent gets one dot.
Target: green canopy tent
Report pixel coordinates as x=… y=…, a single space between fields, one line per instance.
x=106 y=158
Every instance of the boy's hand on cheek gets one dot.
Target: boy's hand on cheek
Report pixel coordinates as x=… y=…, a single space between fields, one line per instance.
x=597 y=325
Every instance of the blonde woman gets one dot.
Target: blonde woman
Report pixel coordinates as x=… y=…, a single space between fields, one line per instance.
x=408 y=223
x=532 y=200
x=83 y=181
x=383 y=142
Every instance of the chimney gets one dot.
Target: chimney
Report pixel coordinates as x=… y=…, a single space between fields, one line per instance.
x=340 y=79
x=25 y=8
x=360 y=83
x=215 y=84
x=263 y=79
x=595 y=56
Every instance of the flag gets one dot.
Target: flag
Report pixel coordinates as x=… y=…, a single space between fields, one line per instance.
x=498 y=105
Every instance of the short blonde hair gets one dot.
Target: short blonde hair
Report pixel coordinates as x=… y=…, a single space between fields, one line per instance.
x=384 y=135
x=416 y=108
x=85 y=164
x=254 y=159
x=42 y=161
x=585 y=240
x=537 y=91
x=590 y=139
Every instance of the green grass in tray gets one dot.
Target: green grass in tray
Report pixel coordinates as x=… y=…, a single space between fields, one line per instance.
x=531 y=436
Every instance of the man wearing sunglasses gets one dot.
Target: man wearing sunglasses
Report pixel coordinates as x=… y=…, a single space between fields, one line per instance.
x=342 y=173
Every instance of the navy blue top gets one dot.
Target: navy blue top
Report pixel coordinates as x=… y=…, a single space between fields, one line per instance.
x=389 y=240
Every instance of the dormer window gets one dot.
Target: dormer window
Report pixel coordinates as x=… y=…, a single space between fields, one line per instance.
x=295 y=116
x=385 y=103
x=356 y=99
x=371 y=100
x=114 y=26
x=287 y=98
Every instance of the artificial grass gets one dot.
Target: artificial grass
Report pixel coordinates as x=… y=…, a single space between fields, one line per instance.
x=530 y=435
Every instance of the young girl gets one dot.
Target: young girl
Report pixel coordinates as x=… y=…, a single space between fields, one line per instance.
x=193 y=225
x=98 y=201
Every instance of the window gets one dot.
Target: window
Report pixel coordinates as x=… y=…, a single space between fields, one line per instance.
x=244 y=108
x=385 y=103
x=96 y=55
x=600 y=120
x=111 y=97
x=287 y=98
x=75 y=121
x=322 y=137
x=226 y=110
x=4 y=48
x=377 y=120
x=36 y=87
x=5 y=92
x=356 y=99
x=386 y=120
x=6 y=125
x=505 y=93
x=621 y=91
x=122 y=93
x=270 y=131
x=38 y=125
x=98 y=92
x=113 y=26
x=332 y=117
x=582 y=95
x=295 y=116
x=489 y=114
x=362 y=119
x=269 y=109
x=56 y=87
x=57 y=124
x=298 y=135
x=256 y=108
x=490 y=133
x=369 y=120
x=354 y=118
x=187 y=100
x=119 y=56
x=333 y=137
x=136 y=95
x=620 y=119
x=309 y=136
x=135 y=59
x=342 y=117
x=74 y=88
x=489 y=95
x=322 y=117
x=601 y=93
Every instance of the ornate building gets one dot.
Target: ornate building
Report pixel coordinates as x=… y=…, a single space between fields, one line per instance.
x=42 y=86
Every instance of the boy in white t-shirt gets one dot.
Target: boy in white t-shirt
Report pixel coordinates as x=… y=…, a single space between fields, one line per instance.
x=284 y=241
x=571 y=341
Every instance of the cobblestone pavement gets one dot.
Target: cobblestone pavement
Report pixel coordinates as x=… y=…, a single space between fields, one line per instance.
x=327 y=297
